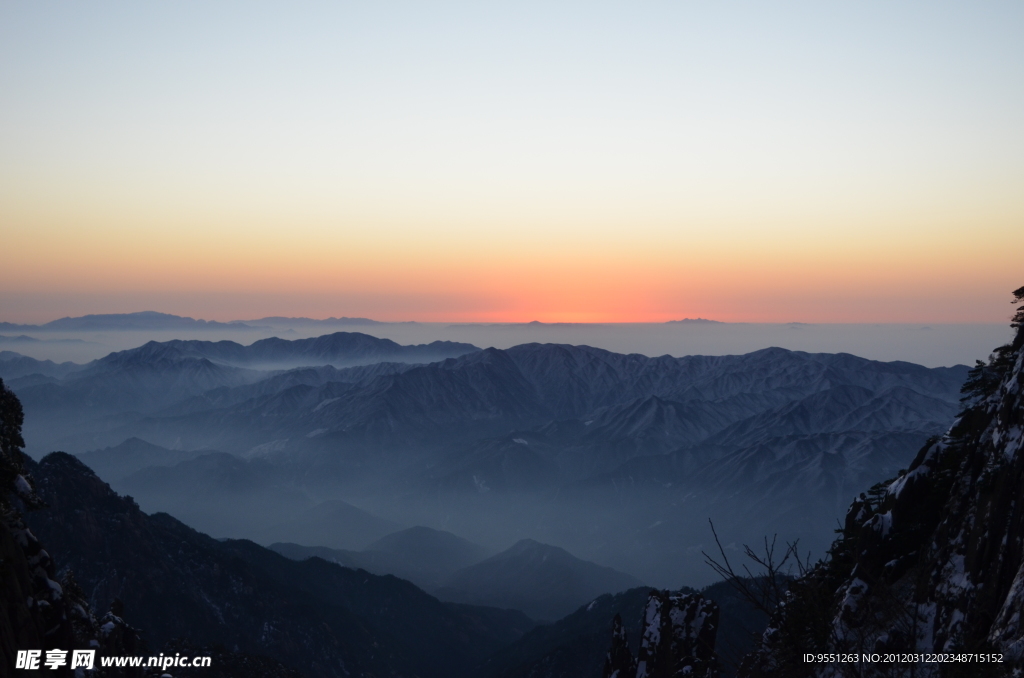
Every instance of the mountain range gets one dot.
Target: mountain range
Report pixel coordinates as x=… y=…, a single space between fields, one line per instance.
x=143 y=320
x=155 y=321
x=341 y=349
x=585 y=449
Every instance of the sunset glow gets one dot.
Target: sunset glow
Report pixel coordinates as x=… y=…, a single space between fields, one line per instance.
x=583 y=164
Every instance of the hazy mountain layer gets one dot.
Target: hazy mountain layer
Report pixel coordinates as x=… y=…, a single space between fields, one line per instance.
x=321 y=618
x=543 y=581
x=334 y=523
x=14 y=365
x=119 y=461
x=426 y=557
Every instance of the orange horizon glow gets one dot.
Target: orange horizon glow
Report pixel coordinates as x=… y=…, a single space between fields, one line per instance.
x=900 y=269
x=840 y=164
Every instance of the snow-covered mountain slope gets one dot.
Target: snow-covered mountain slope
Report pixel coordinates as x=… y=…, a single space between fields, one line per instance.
x=490 y=393
x=639 y=405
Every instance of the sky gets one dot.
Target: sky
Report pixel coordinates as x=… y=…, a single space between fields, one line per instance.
x=490 y=162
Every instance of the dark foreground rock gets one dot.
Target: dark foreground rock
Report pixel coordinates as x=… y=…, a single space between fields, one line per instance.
x=929 y=565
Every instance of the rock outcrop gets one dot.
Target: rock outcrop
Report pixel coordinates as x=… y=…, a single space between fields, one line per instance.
x=679 y=631
x=929 y=567
x=40 y=610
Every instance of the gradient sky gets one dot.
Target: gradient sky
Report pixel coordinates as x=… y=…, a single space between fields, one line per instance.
x=573 y=161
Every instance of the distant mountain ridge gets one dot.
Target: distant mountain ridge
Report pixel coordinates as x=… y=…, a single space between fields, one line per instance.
x=142 y=320
x=154 y=320
x=529 y=385
x=140 y=381
x=340 y=349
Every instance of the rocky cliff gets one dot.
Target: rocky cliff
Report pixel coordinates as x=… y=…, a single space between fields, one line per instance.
x=679 y=631
x=40 y=610
x=928 y=571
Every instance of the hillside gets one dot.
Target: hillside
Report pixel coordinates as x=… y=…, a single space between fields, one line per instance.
x=321 y=618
